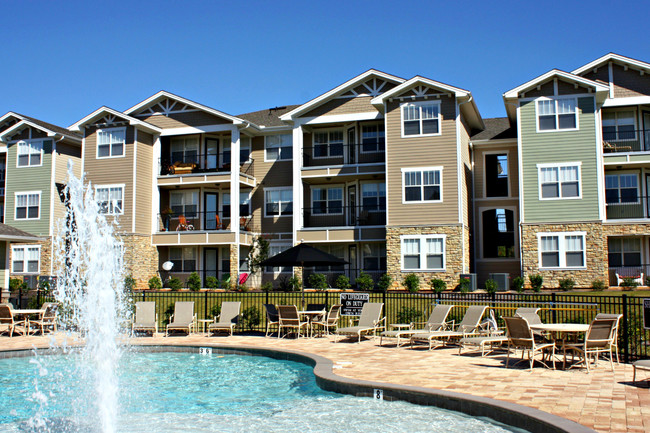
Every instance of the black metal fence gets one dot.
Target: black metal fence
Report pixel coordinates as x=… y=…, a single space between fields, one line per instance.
x=193 y=162
x=323 y=155
x=338 y=216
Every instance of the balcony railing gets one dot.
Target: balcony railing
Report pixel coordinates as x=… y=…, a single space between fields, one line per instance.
x=339 y=154
x=193 y=162
x=344 y=216
x=203 y=221
x=628 y=210
x=626 y=141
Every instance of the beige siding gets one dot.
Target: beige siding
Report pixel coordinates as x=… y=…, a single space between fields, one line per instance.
x=479 y=168
x=629 y=83
x=422 y=152
x=466 y=172
x=181 y=120
x=144 y=179
x=359 y=104
x=64 y=153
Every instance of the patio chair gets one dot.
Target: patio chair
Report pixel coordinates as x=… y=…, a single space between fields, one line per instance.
x=289 y=318
x=520 y=336
x=618 y=318
x=468 y=326
x=598 y=340
x=7 y=322
x=331 y=321
x=48 y=319
x=369 y=321
x=531 y=315
x=145 y=318
x=272 y=317
x=316 y=307
x=227 y=319
x=183 y=318
x=437 y=322
x=642 y=364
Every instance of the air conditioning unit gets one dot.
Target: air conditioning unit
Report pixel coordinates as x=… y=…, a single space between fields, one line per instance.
x=472 y=281
x=31 y=281
x=502 y=280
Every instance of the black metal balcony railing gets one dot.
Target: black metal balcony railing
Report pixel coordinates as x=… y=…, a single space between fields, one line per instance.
x=203 y=221
x=338 y=154
x=626 y=141
x=629 y=209
x=192 y=162
x=334 y=216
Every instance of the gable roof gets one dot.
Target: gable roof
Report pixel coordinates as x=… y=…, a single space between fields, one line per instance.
x=496 y=128
x=164 y=94
x=48 y=128
x=554 y=73
x=268 y=118
x=9 y=233
x=353 y=82
x=612 y=57
x=147 y=127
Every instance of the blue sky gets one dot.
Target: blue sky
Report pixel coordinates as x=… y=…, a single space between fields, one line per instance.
x=65 y=59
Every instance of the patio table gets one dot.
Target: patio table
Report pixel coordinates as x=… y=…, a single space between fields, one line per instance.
x=560 y=330
x=311 y=315
x=26 y=313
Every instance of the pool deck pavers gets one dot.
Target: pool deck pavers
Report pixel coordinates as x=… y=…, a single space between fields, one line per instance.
x=603 y=400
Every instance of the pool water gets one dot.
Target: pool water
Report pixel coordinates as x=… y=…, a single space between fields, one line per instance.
x=187 y=392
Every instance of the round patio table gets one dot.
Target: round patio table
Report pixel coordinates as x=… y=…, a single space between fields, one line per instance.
x=26 y=313
x=560 y=330
x=311 y=315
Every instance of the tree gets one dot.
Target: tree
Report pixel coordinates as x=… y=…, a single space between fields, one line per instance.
x=258 y=253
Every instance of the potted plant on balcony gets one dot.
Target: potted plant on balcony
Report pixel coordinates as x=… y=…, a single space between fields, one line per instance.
x=166 y=215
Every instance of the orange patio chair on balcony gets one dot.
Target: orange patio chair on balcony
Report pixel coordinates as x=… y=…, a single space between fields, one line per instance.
x=183 y=225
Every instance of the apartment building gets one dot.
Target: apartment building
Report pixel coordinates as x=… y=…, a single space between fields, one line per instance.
x=394 y=175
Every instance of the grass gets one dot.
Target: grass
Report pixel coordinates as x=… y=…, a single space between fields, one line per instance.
x=640 y=293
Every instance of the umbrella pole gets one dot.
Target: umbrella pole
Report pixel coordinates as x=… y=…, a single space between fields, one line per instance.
x=302 y=286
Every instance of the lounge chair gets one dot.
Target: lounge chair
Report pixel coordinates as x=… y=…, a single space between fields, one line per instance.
x=437 y=322
x=598 y=340
x=145 y=319
x=289 y=318
x=643 y=364
x=467 y=326
x=227 y=319
x=48 y=319
x=520 y=336
x=331 y=321
x=183 y=318
x=7 y=322
x=618 y=318
x=369 y=321
x=272 y=317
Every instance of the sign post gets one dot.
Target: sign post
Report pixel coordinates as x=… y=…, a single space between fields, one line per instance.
x=646 y=313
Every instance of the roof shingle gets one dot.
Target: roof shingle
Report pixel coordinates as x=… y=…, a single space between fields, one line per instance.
x=496 y=128
x=269 y=117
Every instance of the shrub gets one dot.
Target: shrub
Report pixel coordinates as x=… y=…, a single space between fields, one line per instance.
x=243 y=288
x=43 y=284
x=129 y=283
x=295 y=283
x=285 y=285
x=16 y=284
x=364 y=282
x=211 y=282
x=408 y=315
x=384 y=283
x=629 y=283
x=250 y=318
x=598 y=285
x=174 y=284
x=438 y=285
x=464 y=285
x=225 y=284
x=267 y=287
x=155 y=283
x=194 y=282
x=536 y=281
x=318 y=281
x=567 y=284
x=342 y=282
x=491 y=286
x=518 y=284
x=215 y=311
x=169 y=311
x=412 y=283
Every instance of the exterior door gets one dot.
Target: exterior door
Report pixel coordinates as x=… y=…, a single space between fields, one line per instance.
x=211 y=218
x=211 y=153
x=352 y=205
x=646 y=131
x=352 y=147
x=210 y=262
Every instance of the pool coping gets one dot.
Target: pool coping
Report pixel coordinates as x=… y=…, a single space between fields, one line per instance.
x=510 y=414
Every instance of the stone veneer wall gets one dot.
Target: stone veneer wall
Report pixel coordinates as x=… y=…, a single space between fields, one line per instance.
x=596 y=254
x=234 y=265
x=140 y=258
x=454 y=253
x=45 y=267
x=621 y=229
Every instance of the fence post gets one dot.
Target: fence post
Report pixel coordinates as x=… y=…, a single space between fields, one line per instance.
x=626 y=355
x=553 y=311
x=327 y=299
x=266 y=297
x=206 y=306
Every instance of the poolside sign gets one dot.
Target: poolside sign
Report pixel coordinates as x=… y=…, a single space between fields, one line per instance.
x=646 y=313
x=352 y=303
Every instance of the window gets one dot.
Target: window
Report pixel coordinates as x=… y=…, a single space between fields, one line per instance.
x=373 y=197
x=374 y=257
x=244 y=204
x=422 y=185
x=25 y=259
x=244 y=151
x=624 y=252
x=423 y=253
x=278 y=147
x=30 y=153
x=185 y=203
x=621 y=188
x=328 y=144
x=496 y=175
x=28 y=205
x=327 y=200
x=562 y=250
x=556 y=114
x=372 y=138
x=335 y=250
x=498 y=234
x=110 y=199
x=185 y=149
x=275 y=249
x=110 y=142
x=619 y=126
x=184 y=259
x=558 y=181
x=278 y=202
x=420 y=118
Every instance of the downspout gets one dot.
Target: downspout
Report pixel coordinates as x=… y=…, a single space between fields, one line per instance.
x=459 y=196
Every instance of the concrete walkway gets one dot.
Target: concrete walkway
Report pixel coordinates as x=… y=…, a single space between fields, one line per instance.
x=603 y=400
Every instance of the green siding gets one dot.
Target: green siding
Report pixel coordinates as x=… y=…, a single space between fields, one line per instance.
x=4 y=266
x=556 y=147
x=29 y=179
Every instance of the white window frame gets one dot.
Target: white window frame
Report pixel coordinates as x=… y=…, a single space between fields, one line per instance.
x=327 y=188
x=277 y=270
x=421 y=170
x=110 y=145
x=29 y=143
x=420 y=104
x=423 y=253
x=25 y=260
x=562 y=250
x=329 y=143
x=266 y=146
x=557 y=118
x=279 y=188
x=380 y=130
x=559 y=165
x=27 y=193
x=121 y=186
x=638 y=188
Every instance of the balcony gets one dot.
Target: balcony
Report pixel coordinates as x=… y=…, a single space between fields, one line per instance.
x=201 y=221
x=345 y=216
x=191 y=162
x=341 y=154
x=628 y=210
x=626 y=141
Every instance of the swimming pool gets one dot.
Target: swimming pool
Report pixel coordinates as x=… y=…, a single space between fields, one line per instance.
x=188 y=392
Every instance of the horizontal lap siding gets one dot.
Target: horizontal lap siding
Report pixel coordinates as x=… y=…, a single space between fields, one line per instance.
x=556 y=147
x=422 y=152
x=182 y=120
x=144 y=179
x=466 y=172
x=360 y=104
x=64 y=153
